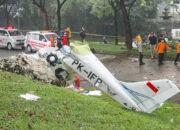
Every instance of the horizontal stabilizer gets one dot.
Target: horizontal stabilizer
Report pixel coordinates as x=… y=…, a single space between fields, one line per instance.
x=149 y=95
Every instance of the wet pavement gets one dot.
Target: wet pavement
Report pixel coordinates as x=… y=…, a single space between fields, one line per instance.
x=127 y=69
x=4 y=52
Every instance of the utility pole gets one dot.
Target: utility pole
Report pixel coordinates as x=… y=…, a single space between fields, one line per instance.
x=173 y=17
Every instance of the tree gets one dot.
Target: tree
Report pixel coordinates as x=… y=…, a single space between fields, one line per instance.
x=9 y=4
x=115 y=8
x=2 y=2
x=59 y=6
x=42 y=6
x=126 y=8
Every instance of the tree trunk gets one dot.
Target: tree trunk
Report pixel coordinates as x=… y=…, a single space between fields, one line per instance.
x=127 y=25
x=7 y=19
x=7 y=16
x=46 y=20
x=59 y=15
x=116 y=26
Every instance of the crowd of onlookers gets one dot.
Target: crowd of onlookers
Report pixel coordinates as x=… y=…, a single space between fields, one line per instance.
x=65 y=36
x=159 y=46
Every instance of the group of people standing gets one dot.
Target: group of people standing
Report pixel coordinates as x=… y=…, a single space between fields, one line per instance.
x=160 y=46
x=65 y=35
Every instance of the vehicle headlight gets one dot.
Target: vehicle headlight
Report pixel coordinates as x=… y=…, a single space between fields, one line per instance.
x=13 y=40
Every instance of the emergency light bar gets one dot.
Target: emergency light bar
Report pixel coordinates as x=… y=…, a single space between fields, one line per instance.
x=46 y=31
x=9 y=27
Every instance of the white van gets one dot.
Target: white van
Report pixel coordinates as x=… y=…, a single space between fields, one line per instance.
x=36 y=40
x=11 y=38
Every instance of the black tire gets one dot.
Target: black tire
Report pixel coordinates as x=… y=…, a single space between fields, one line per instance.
x=9 y=46
x=29 y=48
x=49 y=59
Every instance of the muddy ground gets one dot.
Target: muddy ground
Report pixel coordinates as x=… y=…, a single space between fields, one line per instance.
x=126 y=68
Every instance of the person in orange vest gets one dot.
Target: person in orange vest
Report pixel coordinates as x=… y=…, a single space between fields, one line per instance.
x=178 y=53
x=161 y=50
x=52 y=41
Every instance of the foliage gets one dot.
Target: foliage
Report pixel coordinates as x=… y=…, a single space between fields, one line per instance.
x=100 y=8
x=95 y=15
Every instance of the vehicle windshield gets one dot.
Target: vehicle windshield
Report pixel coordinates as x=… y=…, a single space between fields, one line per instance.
x=15 y=33
x=48 y=36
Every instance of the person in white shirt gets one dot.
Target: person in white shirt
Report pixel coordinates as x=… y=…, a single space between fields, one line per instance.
x=141 y=50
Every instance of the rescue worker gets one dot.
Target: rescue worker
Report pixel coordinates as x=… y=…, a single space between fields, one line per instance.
x=66 y=34
x=69 y=34
x=178 y=53
x=52 y=41
x=161 y=50
x=65 y=39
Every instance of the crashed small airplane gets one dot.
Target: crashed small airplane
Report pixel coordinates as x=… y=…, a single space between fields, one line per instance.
x=145 y=96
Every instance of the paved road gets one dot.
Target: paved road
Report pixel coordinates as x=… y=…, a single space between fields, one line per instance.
x=4 y=52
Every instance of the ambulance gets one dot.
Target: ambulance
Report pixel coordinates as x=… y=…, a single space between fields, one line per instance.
x=35 y=40
x=11 y=38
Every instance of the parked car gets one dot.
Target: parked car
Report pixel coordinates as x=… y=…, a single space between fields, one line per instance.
x=11 y=37
x=35 y=40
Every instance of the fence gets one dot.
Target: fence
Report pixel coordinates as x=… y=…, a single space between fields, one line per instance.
x=90 y=37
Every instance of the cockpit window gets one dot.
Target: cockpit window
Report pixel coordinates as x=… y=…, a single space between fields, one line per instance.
x=15 y=33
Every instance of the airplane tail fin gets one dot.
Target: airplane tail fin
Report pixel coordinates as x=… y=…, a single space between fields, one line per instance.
x=149 y=95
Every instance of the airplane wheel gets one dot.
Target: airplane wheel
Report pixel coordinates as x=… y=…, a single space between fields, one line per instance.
x=52 y=59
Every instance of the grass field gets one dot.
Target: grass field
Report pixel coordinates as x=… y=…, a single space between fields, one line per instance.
x=59 y=108
x=121 y=49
